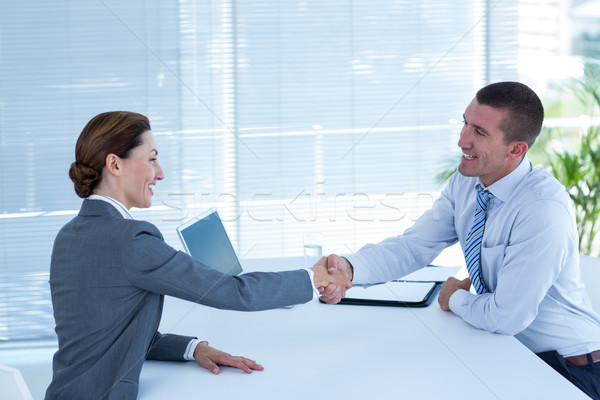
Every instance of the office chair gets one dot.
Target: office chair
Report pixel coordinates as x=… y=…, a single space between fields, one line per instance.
x=12 y=384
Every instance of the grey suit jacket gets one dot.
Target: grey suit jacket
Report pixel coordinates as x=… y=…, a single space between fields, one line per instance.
x=108 y=276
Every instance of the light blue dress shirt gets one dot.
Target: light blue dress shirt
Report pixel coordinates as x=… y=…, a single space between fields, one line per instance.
x=529 y=260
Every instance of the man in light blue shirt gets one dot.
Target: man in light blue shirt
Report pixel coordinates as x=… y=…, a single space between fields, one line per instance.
x=528 y=261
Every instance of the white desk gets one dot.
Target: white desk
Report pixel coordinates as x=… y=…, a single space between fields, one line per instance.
x=351 y=352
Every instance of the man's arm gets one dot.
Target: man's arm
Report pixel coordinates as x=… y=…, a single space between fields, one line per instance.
x=398 y=256
x=420 y=244
x=542 y=241
x=448 y=289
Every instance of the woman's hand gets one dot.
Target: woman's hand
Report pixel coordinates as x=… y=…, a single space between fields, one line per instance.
x=210 y=358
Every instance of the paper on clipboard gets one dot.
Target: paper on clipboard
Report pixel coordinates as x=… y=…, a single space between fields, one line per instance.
x=408 y=292
x=414 y=290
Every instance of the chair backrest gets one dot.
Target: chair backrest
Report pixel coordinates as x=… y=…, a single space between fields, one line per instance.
x=590 y=275
x=12 y=385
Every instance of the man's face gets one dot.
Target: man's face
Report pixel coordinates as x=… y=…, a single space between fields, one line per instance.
x=482 y=142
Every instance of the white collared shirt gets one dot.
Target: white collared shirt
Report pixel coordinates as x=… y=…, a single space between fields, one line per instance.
x=529 y=260
x=115 y=203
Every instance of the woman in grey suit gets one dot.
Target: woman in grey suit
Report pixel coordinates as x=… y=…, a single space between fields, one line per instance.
x=109 y=273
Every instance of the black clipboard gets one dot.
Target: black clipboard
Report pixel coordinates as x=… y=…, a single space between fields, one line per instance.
x=393 y=294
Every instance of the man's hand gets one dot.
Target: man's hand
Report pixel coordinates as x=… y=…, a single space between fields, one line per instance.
x=335 y=265
x=448 y=289
x=210 y=358
x=334 y=281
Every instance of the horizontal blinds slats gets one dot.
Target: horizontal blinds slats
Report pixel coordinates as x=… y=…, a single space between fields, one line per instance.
x=376 y=73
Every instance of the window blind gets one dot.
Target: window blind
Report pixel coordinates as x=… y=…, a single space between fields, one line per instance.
x=288 y=116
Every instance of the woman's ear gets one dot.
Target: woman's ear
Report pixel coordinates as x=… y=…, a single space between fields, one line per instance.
x=113 y=164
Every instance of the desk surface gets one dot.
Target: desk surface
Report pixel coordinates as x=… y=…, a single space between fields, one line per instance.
x=351 y=352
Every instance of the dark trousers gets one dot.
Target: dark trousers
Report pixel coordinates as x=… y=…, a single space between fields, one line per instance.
x=586 y=378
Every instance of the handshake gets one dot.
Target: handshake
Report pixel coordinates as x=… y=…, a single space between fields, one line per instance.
x=332 y=277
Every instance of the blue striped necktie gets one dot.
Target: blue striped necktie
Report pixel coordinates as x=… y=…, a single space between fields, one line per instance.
x=474 y=238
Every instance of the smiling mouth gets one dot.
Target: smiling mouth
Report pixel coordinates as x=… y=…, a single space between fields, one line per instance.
x=468 y=157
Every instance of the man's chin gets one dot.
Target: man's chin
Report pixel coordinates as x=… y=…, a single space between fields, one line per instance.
x=465 y=171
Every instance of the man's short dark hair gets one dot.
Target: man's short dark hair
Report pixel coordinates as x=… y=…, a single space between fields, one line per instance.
x=525 y=110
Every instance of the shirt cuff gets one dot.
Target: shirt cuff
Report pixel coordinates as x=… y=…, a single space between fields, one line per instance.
x=360 y=269
x=457 y=300
x=311 y=275
x=191 y=347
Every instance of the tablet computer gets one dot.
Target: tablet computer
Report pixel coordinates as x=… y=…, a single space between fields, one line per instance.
x=205 y=239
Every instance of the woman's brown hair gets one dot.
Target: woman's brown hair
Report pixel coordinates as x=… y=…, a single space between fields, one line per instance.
x=116 y=132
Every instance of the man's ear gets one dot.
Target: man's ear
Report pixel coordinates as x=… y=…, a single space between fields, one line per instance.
x=518 y=149
x=113 y=164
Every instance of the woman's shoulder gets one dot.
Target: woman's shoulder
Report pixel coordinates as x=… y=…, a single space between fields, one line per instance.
x=133 y=228
x=109 y=226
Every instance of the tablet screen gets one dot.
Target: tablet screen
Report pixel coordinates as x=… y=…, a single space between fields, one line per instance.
x=205 y=239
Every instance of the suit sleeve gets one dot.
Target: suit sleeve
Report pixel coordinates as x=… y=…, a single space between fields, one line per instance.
x=153 y=265
x=168 y=347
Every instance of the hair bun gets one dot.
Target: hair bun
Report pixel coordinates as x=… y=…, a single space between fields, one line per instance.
x=84 y=178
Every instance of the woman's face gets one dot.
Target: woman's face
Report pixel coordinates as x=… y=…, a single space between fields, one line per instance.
x=140 y=173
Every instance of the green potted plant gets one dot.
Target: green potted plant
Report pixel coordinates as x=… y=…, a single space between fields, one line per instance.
x=578 y=169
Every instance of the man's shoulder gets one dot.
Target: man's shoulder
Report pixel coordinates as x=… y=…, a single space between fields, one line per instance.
x=539 y=184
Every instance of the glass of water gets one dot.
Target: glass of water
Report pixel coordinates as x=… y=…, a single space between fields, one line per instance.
x=313 y=248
